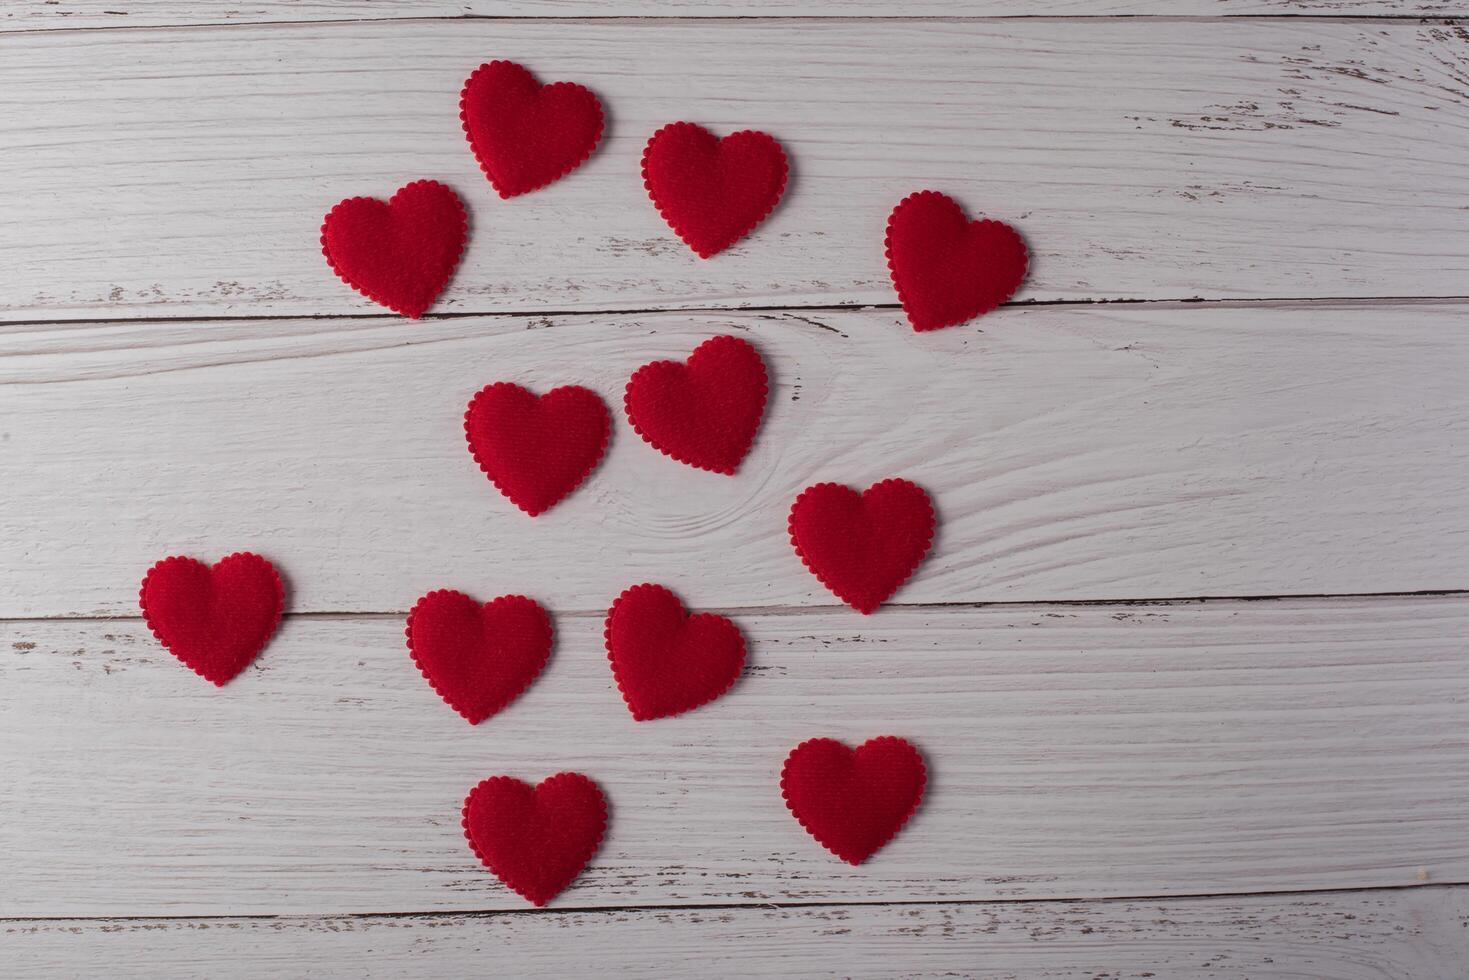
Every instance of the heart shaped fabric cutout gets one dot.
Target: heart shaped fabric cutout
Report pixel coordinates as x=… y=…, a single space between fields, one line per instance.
x=705 y=411
x=666 y=661
x=536 y=450
x=400 y=254
x=535 y=839
x=853 y=801
x=214 y=619
x=478 y=658
x=862 y=546
x=946 y=268
x=712 y=191
x=526 y=135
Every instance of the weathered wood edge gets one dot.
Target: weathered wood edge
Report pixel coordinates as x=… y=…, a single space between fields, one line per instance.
x=1399 y=933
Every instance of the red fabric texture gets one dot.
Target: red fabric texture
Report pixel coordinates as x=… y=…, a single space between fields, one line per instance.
x=666 y=661
x=400 y=254
x=214 y=619
x=535 y=840
x=705 y=411
x=478 y=658
x=712 y=191
x=862 y=546
x=946 y=268
x=536 y=450
x=526 y=135
x=853 y=801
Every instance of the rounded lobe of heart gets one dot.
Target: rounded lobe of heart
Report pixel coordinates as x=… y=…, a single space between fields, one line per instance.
x=399 y=254
x=478 y=658
x=536 y=450
x=214 y=619
x=666 y=661
x=862 y=546
x=712 y=191
x=946 y=268
x=526 y=135
x=853 y=801
x=535 y=839
x=703 y=412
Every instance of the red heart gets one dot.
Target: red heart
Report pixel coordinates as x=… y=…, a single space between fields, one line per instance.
x=535 y=840
x=536 y=450
x=853 y=802
x=526 y=135
x=705 y=411
x=711 y=191
x=862 y=546
x=478 y=658
x=666 y=661
x=214 y=619
x=946 y=268
x=400 y=254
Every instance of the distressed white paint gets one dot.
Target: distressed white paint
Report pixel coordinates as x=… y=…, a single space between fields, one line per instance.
x=1074 y=751
x=1161 y=749
x=1073 y=453
x=185 y=172
x=73 y=14
x=1406 y=934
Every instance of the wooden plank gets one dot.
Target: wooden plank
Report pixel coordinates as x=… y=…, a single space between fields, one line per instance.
x=73 y=14
x=1074 y=751
x=1402 y=933
x=1073 y=453
x=1141 y=158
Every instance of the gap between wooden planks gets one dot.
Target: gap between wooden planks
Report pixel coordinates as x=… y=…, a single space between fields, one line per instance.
x=1141 y=158
x=1080 y=751
x=1406 y=934
x=33 y=15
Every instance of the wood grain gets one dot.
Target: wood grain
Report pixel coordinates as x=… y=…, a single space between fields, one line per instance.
x=74 y=14
x=305 y=818
x=185 y=172
x=1073 y=453
x=1074 y=751
x=1406 y=934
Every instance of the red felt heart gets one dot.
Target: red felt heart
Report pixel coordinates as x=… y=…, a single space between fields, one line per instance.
x=214 y=619
x=535 y=840
x=536 y=450
x=526 y=135
x=705 y=411
x=400 y=254
x=853 y=802
x=946 y=268
x=712 y=191
x=666 y=661
x=478 y=658
x=862 y=546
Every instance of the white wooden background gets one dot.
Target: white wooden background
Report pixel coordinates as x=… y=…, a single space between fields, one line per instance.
x=1189 y=662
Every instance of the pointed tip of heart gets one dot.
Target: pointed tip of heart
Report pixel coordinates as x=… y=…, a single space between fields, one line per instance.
x=505 y=697
x=538 y=897
x=865 y=606
x=481 y=454
x=215 y=677
x=981 y=304
x=713 y=344
x=629 y=593
x=486 y=165
x=676 y=222
x=638 y=711
x=429 y=597
x=411 y=311
x=859 y=857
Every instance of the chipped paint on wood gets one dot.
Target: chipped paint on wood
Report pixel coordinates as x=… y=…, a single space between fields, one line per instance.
x=1078 y=750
